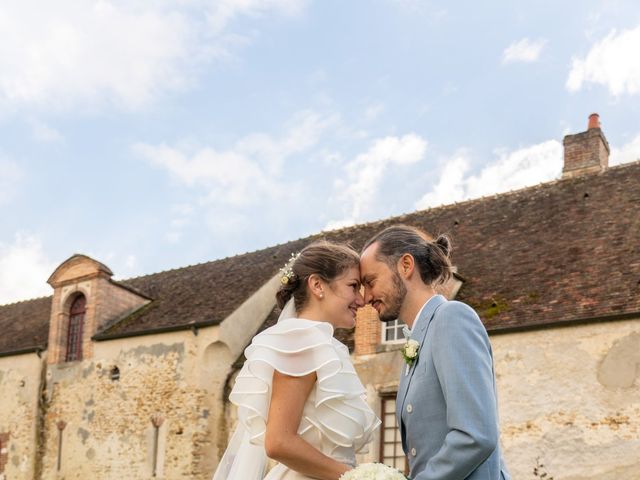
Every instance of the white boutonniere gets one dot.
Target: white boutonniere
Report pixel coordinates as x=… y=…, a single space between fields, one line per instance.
x=410 y=352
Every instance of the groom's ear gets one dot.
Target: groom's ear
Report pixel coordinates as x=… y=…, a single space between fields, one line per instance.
x=406 y=265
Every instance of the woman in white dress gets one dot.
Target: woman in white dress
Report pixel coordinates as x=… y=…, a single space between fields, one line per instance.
x=300 y=401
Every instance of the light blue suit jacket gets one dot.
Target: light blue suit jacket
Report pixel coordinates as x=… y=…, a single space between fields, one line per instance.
x=447 y=405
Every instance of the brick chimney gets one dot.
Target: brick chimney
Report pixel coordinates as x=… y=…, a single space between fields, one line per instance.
x=586 y=152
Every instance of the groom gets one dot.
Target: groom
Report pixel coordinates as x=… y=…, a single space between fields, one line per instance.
x=446 y=404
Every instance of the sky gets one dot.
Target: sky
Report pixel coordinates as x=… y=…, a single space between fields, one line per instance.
x=157 y=135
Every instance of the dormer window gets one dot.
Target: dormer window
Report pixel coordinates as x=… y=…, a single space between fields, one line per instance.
x=76 y=327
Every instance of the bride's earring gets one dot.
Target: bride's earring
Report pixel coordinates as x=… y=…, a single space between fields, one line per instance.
x=321 y=295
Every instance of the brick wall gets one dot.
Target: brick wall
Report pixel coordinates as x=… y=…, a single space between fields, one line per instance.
x=368 y=331
x=106 y=303
x=63 y=296
x=112 y=302
x=586 y=152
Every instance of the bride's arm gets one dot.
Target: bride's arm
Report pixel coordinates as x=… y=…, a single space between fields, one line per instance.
x=282 y=442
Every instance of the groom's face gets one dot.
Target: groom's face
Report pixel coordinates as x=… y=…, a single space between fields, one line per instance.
x=384 y=290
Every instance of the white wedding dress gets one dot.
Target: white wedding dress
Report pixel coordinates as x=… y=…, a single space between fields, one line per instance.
x=336 y=418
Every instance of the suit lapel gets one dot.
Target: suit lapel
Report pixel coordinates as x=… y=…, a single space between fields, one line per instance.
x=418 y=335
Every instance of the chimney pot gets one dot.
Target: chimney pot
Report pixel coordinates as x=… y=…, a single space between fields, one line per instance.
x=594 y=121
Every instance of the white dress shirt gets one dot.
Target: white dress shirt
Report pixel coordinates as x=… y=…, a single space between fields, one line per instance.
x=415 y=321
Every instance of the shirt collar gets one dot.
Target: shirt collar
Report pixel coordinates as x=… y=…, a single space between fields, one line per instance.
x=415 y=321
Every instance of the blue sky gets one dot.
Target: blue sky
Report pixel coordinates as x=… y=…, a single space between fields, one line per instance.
x=155 y=135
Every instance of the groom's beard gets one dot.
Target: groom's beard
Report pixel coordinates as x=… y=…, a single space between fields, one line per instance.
x=394 y=302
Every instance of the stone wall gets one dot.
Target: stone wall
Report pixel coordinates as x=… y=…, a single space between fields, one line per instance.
x=157 y=403
x=19 y=386
x=568 y=397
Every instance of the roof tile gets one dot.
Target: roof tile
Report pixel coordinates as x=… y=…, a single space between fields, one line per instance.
x=557 y=252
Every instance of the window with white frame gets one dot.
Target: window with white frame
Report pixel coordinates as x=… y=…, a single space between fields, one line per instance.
x=390 y=443
x=392 y=332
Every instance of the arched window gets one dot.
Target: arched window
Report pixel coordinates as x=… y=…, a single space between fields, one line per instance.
x=76 y=326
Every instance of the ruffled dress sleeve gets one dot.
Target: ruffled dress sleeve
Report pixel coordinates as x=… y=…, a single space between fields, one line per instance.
x=336 y=408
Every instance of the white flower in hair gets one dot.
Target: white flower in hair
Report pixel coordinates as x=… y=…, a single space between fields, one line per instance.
x=287 y=270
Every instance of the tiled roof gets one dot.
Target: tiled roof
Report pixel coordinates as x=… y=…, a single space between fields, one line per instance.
x=24 y=325
x=205 y=293
x=561 y=251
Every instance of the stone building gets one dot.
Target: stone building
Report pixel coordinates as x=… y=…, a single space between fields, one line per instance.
x=112 y=379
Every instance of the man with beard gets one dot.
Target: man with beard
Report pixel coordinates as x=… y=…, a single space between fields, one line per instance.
x=446 y=405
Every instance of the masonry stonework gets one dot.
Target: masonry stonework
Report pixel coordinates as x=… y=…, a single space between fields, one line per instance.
x=19 y=388
x=4 y=452
x=109 y=431
x=557 y=403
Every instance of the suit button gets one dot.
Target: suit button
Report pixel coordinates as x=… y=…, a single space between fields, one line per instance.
x=409 y=408
x=413 y=452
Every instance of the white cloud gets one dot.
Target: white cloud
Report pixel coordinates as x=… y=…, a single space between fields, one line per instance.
x=131 y=262
x=373 y=111
x=432 y=11
x=232 y=177
x=451 y=186
x=524 y=50
x=224 y=11
x=44 y=133
x=302 y=132
x=122 y=264
x=613 y=62
x=366 y=172
x=247 y=173
x=629 y=152
x=512 y=170
x=95 y=53
x=24 y=270
x=10 y=176
x=181 y=217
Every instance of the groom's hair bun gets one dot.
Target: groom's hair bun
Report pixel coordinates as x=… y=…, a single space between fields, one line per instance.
x=444 y=243
x=431 y=256
x=325 y=259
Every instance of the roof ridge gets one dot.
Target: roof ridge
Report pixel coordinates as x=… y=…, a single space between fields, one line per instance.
x=26 y=300
x=624 y=164
x=543 y=184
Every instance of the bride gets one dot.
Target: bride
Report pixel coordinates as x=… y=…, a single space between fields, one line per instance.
x=300 y=401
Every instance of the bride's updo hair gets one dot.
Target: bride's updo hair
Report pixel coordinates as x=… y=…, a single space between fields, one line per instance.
x=325 y=259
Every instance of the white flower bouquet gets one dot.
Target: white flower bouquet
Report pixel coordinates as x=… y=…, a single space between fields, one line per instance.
x=373 y=471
